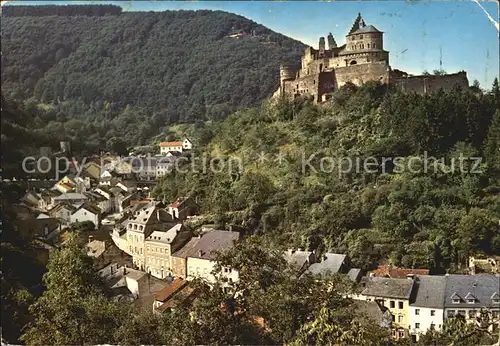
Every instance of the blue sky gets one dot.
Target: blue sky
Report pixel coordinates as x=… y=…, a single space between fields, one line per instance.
x=416 y=32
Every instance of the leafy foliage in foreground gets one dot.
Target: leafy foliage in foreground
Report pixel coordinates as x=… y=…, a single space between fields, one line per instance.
x=129 y=75
x=412 y=210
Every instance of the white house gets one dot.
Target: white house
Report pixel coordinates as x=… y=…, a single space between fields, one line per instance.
x=201 y=257
x=127 y=185
x=427 y=311
x=87 y=212
x=63 y=212
x=165 y=147
x=187 y=144
x=164 y=165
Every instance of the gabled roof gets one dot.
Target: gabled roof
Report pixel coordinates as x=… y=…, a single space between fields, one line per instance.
x=62 y=205
x=386 y=270
x=330 y=263
x=470 y=296
x=171 y=144
x=388 y=287
x=170 y=290
x=429 y=291
x=207 y=244
x=89 y=207
x=165 y=237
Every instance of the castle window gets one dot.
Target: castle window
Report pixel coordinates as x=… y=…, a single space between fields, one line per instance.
x=353 y=62
x=374 y=45
x=368 y=45
x=360 y=37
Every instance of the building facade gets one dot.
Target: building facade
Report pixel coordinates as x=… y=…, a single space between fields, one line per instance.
x=427 y=311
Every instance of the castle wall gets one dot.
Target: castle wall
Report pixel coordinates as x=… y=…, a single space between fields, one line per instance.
x=431 y=83
x=306 y=85
x=359 y=74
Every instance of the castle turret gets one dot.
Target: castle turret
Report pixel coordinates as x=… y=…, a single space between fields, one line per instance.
x=321 y=46
x=331 y=42
x=287 y=72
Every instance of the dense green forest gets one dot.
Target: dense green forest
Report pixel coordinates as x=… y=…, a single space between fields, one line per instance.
x=411 y=210
x=90 y=78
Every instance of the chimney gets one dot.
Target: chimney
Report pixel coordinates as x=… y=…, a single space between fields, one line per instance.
x=200 y=253
x=91 y=238
x=158 y=214
x=124 y=270
x=230 y=228
x=321 y=46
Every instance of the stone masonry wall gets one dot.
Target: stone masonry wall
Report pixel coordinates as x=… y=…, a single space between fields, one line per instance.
x=431 y=83
x=359 y=74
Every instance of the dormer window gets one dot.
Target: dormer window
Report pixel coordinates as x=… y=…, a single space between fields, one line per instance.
x=495 y=298
x=455 y=298
x=470 y=299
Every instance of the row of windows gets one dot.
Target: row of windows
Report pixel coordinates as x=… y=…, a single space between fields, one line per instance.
x=362 y=46
x=140 y=227
x=433 y=312
x=157 y=261
x=156 y=249
x=135 y=250
x=432 y=326
x=471 y=313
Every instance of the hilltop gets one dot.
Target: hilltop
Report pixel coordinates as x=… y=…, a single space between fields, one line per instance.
x=130 y=74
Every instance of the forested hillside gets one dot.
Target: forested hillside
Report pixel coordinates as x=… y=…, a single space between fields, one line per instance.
x=407 y=209
x=130 y=74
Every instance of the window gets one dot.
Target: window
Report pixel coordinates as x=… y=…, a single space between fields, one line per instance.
x=450 y=313
x=400 y=305
x=417 y=311
x=433 y=326
x=471 y=301
x=461 y=312
x=472 y=313
x=417 y=325
x=495 y=313
x=496 y=300
x=392 y=304
x=368 y=45
x=393 y=318
x=360 y=37
x=433 y=312
x=400 y=319
x=401 y=334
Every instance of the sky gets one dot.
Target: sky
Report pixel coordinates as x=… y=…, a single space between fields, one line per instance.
x=418 y=34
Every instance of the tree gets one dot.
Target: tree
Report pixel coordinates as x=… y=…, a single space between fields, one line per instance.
x=73 y=309
x=492 y=143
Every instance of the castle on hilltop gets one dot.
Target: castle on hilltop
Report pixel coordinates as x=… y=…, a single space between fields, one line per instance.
x=362 y=58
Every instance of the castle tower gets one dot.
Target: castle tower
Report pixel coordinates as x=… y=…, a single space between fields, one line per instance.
x=365 y=38
x=321 y=46
x=287 y=73
x=331 y=42
x=358 y=23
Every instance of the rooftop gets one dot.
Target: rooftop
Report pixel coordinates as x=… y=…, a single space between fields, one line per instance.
x=70 y=196
x=165 y=237
x=386 y=270
x=205 y=246
x=365 y=29
x=170 y=290
x=297 y=258
x=388 y=287
x=330 y=263
x=170 y=144
x=430 y=291
x=482 y=287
